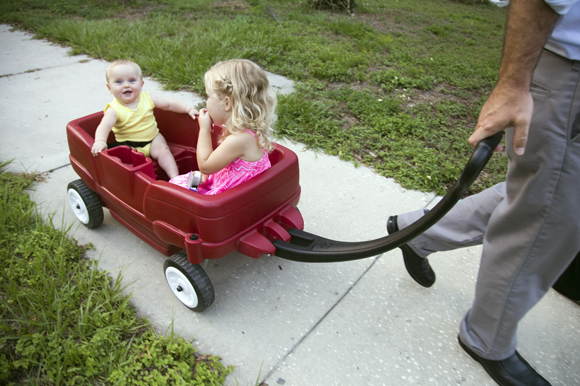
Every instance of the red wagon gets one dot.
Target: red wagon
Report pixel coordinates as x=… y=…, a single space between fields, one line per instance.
x=177 y=222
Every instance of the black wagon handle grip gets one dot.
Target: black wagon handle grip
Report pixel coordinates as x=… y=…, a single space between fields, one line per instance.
x=308 y=248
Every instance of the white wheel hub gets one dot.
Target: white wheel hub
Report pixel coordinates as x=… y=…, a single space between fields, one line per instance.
x=181 y=287
x=78 y=206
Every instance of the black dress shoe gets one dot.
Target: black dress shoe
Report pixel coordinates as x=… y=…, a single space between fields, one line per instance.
x=513 y=371
x=417 y=266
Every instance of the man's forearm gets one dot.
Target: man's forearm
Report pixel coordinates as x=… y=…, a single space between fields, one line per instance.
x=528 y=26
x=510 y=104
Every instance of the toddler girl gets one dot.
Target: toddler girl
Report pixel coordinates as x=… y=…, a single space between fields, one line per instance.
x=130 y=116
x=240 y=99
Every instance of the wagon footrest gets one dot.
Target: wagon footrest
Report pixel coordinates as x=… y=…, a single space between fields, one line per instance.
x=255 y=245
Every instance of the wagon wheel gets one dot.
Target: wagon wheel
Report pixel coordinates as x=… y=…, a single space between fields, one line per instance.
x=189 y=282
x=85 y=204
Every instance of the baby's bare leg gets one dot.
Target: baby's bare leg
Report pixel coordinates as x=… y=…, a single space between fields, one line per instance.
x=160 y=151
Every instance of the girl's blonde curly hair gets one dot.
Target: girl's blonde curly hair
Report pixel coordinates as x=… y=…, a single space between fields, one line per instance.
x=253 y=101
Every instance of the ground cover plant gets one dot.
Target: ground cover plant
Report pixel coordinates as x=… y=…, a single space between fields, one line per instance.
x=396 y=85
x=65 y=322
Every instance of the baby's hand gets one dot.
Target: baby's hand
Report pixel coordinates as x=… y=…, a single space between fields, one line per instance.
x=98 y=147
x=192 y=112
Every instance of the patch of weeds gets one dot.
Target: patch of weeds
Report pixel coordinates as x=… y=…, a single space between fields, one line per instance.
x=342 y=5
x=337 y=63
x=486 y=3
x=64 y=321
x=440 y=30
x=424 y=146
x=390 y=80
x=309 y=120
x=21 y=11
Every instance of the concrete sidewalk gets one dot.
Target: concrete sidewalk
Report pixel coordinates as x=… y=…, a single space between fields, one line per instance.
x=279 y=322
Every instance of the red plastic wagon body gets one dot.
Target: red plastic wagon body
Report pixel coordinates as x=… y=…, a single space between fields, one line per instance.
x=170 y=218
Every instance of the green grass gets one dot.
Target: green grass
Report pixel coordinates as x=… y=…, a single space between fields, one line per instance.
x=431 y=62
x=65 y=322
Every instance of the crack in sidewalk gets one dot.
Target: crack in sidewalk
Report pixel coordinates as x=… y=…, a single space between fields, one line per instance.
x=81 y=61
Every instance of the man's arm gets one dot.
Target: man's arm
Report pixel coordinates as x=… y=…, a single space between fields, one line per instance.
x=510 y=104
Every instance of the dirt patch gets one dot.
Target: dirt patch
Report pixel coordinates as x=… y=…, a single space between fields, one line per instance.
x=439 y=93
x=384 y=24
x=232 y=5
x=348 y=121
x=138 y=13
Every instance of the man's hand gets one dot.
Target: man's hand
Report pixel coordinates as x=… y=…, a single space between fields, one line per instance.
x=510 y=104
x=506 y=107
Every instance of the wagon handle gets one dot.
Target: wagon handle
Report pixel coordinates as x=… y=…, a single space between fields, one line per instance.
x=308 y=248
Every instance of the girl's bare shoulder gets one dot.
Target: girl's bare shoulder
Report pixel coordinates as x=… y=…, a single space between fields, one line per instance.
x=242 y=136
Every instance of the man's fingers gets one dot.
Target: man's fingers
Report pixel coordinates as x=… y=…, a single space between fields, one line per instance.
x=479 y=135
x=520 y=138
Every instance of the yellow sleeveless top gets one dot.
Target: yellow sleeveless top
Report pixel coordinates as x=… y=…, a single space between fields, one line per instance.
x=135 y=125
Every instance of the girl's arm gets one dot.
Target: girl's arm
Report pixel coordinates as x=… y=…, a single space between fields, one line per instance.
x=210 y=161
x=173 y=105
x=103 y=130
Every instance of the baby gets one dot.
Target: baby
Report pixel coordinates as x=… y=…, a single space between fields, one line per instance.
x=130 y=116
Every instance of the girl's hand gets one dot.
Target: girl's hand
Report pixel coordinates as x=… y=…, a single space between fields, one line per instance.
x=204 y=120
x=98 y=147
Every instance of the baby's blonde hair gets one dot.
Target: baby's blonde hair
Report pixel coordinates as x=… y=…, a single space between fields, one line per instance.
x=119 y=63
x=253 y=101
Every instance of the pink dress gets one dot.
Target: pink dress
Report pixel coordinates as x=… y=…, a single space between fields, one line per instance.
x=232 y=175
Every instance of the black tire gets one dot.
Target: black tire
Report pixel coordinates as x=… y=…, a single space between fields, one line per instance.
x=85 y=204
x=189 y=282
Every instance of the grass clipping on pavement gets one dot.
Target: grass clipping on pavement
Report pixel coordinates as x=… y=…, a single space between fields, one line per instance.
x=64 y=322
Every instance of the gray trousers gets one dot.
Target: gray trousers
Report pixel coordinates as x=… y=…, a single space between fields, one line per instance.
x=530 y=225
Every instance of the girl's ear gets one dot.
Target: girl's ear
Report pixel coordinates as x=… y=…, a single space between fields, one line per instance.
x=228 y=103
